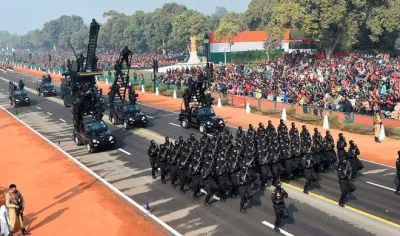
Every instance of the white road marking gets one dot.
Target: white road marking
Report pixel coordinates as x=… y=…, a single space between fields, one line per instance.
x=377 y=171
x=392 y=173
x=376 y=163
x=215 y=197
x=62 y=120
x=49 y=113
x=174 y=124
x=272 y=227
x=122 y=150
x=151 y=117
x=381 y=186
x=110 y=186
x=39 y=108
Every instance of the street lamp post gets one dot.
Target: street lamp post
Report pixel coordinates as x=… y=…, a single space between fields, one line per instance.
x=155 y=71
x=206 y=50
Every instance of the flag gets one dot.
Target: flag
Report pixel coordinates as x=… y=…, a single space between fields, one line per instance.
x=13 y=49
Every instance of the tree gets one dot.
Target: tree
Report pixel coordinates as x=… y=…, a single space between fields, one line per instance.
x=216 y=17
x=189 y=23
x=275 y=35
x=227 y=31
x=259 y=13
x=236 y=19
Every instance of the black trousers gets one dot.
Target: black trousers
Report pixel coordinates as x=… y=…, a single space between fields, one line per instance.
x=346 y=186
x=183 y=178
x=224 y=185
x=289 y=164
x=163 y=167
x=280 y=212
x=174 y=173
x=398 y=178
x=245 y=194
x=208 y=187
x=276 y=169
x=310 y=176
x=341 y=154
x=232 y=178
x=195 y=185
x=153 y=166
x=265 y=174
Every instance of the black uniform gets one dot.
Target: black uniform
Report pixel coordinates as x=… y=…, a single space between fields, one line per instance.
x=346 y=186
x=341 y=145
x=222 y=174
x=278 y=199
x=329 y=149
x=309 y=172
x=162 y=158
x=173 y=163
x=243 y=179
x=152 y=152
x=355 y=163
x=125 y=56
x=207 y=176
x=183 y=168
x=195 y=168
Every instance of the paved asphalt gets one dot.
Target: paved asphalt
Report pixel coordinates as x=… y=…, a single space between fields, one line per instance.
x=128 y=170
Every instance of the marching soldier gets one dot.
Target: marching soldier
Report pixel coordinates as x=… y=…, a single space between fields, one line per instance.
x=195 y=168
x=278 y=199
x=330 y=154
x=207 y=175
x=243 y=180
x=163 y=156
x=152 y=152
x=355 y=163
x=309 y=172
x=341 y=145
x=346 y=186
x=183 y=167
x=173 y=162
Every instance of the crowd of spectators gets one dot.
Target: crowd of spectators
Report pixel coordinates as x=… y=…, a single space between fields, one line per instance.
x=367 y=82
x=107 y=58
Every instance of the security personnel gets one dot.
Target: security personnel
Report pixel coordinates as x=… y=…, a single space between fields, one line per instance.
x=162 y=158
x=173 y=162
x=292 y=131
x=152 y=152
x=276 y=167
x=227 y=137
x=204 y=140
x=346 y=186
x=244 y=183
x=265 y=168
x=222 y=176
x=125 y=56
x=21 y=84
x=286 y=153
x=309 y=172
x=195 y=168
x=192 y=140
x=183 y=167
x=355 y=163
x=168 y=144
x=305 y=139
x=207 y=175
x=398 y=172
x=234 y=160
x=278 y=200
x=239 y=134
x=341 y=145
x=329 y=150
x=282 y=128
x=377 y=125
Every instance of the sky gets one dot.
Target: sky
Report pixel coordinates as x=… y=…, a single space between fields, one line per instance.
x=25 y=15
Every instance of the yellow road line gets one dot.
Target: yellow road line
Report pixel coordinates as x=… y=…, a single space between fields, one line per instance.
x=347 y=207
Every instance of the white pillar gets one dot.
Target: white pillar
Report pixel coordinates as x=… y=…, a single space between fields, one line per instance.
x=248 y=110
x=325 y=125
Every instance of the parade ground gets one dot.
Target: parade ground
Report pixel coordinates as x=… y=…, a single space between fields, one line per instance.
x=61 y=198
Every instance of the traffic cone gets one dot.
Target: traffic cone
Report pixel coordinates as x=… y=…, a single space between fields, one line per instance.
x=157 y=92
x=142 y=88
x=284 y=114
x=174 y=96
x=325 y=125
x=219 y=103
x=248 y=110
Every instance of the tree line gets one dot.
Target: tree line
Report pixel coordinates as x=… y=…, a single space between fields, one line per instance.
x=334 y=25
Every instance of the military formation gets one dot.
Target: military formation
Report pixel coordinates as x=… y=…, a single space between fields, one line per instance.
x=241 y=165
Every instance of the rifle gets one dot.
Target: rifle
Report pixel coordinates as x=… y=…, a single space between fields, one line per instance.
x=176 y=154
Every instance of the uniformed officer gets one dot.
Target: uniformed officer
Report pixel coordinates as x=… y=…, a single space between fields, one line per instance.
x=355 y=163
x=163 y=156
x=152 y=152
x=346 y=186
x=278 y=200
x=309 y=172
x=341 y=145
x=243 y=180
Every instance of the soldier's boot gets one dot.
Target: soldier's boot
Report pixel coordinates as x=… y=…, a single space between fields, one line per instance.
x=398 y=190
x=242 y=210
x=277 y=229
